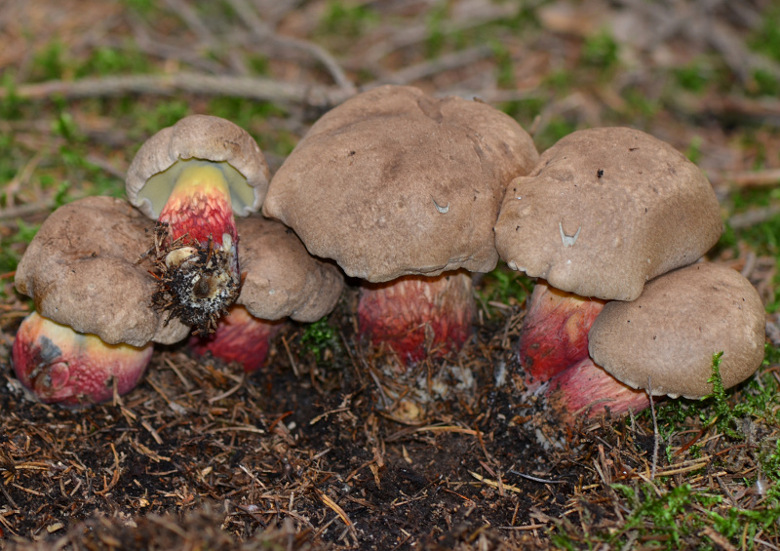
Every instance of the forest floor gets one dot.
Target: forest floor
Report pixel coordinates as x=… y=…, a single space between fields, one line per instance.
x=311 y=452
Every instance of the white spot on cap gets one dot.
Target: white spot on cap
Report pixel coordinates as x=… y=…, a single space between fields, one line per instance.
x=439 y=208
x=568 y=240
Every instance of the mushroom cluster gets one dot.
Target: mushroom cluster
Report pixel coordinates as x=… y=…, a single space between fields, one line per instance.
x=604 y=212
x=106 y=278
x=407 y=194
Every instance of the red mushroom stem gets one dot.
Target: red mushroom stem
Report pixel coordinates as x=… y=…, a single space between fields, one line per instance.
x=418 y=316
x=59 y=365
x=585 y=390
x=554 y=335
x=200 y=273
x=240 y=337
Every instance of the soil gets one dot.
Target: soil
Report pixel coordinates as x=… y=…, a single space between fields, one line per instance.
x=331 y=446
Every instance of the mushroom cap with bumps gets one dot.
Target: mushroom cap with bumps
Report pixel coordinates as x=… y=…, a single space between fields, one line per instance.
x=667 y=337
x=154 y=168
x=606 y=210
x=395 y=182
x=281 y=279
x=84 y=269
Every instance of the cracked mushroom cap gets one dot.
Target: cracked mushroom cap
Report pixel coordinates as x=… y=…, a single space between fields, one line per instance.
x=156 y=165
x=281 y=279
x=670 y=334
x=606 y=210
x=83 y=270
x=395 y=182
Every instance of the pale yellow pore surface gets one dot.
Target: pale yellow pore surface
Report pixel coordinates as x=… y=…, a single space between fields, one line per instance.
x=604 y=211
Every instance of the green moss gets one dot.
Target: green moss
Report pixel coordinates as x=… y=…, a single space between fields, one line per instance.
x=600 y=51
x=346 y=19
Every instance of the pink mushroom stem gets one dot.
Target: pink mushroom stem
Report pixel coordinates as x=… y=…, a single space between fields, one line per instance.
x=59 y=365
x=418 y=316
x=240 y=337
x=554 y=335
x=585 y=390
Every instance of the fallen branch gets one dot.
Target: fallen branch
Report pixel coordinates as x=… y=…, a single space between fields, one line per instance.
x=257 y=88
x=753 y=217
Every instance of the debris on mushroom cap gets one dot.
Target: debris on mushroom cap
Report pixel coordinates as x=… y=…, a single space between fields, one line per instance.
x=202 y=137
x=604 y=211
x=240 y=337
x=667 y=337
x=281 y=279
x=554 y=334
x=191 y=177
x=86 y=268
x=416 y=316
x=394 y=182
x=586 y=390
x=59 y=365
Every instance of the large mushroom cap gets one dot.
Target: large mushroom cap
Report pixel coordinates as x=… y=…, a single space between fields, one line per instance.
x=394 y=182
x=604 y=211
x=281 y=279
x=670 y=334
x=83 y=270
x=203 y=137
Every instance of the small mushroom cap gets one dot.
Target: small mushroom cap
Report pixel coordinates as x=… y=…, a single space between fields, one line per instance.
x=83 y=270
x=670 y=333
x=281 y=278
x=154 y=169
x=394 y=182
x=604 y=211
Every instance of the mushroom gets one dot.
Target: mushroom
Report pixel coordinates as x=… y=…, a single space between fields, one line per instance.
x=603 y=211
x=88 y=268
x=664 y=341
x=59 y=365
x=394 y=183
x=191 y=178
x=281 y=280
x=606 y=210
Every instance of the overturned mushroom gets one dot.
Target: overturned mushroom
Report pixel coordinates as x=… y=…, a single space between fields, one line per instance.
x=281 y=280
x=394 y=183
x=58 y=365
x=191 y=178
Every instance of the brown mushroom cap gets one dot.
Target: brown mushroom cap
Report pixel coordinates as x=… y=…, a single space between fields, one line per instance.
x=394 y=182
x=670 y=334
x=281 y=278
x=604 y=211
x=154 y=168
x=83 y=270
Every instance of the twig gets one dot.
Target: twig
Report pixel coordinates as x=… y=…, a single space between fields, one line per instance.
x=760 y=178
x=656 y=436
x=446 y=62
x=257 y=88
x=260 y=29
x=26 y=210
x=753 y=217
